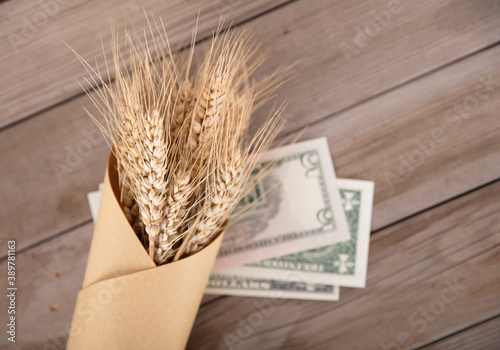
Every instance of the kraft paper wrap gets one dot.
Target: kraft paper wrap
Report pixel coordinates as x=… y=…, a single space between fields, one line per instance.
x=127 y=302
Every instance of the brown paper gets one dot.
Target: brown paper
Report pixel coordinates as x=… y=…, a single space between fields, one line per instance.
x=126 y=301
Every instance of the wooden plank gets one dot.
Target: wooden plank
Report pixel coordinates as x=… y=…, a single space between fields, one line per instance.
x=338 y=65
x=485 y=335
x=425 y=142
x=38 y=70
x=58 y=156
x=406 y=267
x=49 y=278
x=427 y=277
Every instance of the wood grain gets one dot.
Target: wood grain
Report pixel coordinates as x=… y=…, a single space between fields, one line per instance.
x=425 y=142
x=58 y=157
x=411 y=267
x=485 y=335
x=49 y=276
x=397 y=91
x=408 y=265
x=38 y=70
x=314 y=33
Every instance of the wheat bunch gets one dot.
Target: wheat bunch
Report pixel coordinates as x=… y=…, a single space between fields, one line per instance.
x=180 y=135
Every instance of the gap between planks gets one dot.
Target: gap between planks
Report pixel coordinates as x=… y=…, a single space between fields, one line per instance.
x=470 y=338
x=391 y=89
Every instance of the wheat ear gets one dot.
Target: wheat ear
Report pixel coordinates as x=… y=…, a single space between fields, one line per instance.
x=206 y=113
x=223 y=195
x=183 y=106
x=149 y=188
x=177 y=207
x=126 y=154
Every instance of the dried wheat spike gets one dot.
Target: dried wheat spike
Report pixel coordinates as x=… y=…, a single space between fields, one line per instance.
x=177 y=204
x=206 y=113
x=128 y=205
x=223 y=197
x=150 y=188
x=183 y=106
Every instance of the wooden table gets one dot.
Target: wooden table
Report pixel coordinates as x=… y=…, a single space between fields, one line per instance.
x=408 y=94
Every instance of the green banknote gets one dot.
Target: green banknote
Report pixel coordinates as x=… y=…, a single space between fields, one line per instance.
x=313 y=273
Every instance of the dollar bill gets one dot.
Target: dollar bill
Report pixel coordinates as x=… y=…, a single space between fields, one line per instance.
x=341 y=264
x=293 y=288
x=297 y=207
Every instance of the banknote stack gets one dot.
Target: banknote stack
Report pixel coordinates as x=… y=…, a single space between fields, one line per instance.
x=300 y=232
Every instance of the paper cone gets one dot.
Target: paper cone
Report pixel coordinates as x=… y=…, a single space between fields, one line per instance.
x=127 y=302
